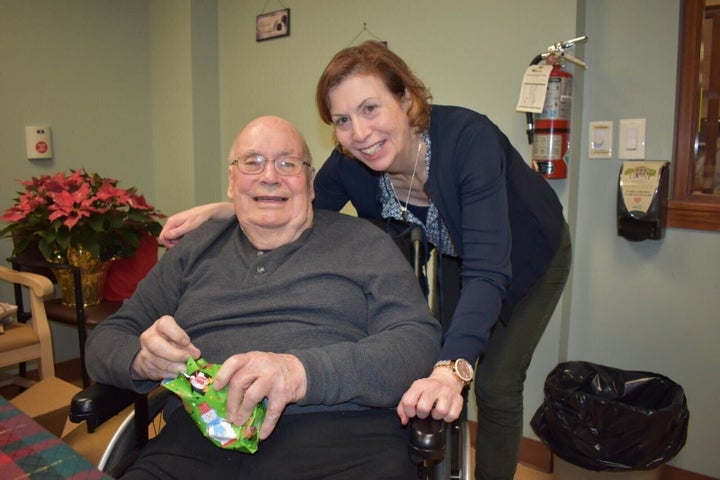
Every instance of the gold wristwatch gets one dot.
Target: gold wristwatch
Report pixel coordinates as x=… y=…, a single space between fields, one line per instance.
x=462 y=369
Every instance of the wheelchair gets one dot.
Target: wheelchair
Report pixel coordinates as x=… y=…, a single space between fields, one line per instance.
x=442 y=451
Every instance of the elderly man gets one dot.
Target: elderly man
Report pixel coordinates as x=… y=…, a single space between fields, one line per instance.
x=316 y=311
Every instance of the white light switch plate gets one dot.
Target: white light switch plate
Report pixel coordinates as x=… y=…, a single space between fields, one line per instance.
x=632 y=139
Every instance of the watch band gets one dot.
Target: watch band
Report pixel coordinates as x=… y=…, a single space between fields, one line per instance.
x=461 y=368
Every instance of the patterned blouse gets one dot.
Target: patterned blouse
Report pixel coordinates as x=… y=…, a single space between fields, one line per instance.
x=434 y=227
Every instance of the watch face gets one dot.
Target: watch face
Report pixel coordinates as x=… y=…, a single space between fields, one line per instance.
x=464 y=369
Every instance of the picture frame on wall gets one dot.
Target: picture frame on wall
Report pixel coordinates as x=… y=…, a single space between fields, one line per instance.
x=272 y=25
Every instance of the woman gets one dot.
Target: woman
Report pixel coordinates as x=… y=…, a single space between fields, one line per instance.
x=490 y=216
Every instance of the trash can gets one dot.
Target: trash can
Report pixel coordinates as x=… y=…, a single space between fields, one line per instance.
x=606 y=419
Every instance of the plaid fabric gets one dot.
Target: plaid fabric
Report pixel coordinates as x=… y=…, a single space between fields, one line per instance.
x=29 y=451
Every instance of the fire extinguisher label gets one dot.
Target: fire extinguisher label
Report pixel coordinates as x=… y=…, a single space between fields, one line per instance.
x=558 y=100
x=547 y=147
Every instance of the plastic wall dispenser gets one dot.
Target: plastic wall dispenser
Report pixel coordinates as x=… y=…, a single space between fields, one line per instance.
x=642 y=200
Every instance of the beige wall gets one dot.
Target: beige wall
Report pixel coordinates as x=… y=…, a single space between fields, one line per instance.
x=153 y=92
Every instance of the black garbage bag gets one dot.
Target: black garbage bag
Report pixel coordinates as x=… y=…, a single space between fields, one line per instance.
x=603 y=418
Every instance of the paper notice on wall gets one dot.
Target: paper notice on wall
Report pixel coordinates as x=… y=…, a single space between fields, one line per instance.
x=639 y=183
x=534 y=89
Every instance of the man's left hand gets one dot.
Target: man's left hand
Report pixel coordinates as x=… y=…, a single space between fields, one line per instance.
x=252 y=376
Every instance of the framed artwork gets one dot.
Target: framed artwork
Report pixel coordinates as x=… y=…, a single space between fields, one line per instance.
x=272 y=25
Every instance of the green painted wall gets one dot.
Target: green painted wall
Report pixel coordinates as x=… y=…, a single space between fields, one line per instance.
x=153 y=92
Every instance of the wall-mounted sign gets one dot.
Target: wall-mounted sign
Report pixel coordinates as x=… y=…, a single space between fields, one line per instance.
x=272 y=25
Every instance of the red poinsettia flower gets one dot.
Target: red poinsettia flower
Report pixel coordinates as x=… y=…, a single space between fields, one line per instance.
x=80 y=208
x=71 y=206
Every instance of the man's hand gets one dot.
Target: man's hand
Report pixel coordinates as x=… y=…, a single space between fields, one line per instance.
x=183 y=222
x=164 y=350
x=439 y=395
x=252 y=376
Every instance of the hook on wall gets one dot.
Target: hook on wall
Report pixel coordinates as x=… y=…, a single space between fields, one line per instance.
x=367 y=32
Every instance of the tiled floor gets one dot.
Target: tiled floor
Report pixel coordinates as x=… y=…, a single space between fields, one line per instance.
x=68 y=371
x=527 y=473
x=524 y=472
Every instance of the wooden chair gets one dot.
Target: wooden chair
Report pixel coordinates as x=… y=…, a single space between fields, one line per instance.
x=22 y=342
x=78 y=316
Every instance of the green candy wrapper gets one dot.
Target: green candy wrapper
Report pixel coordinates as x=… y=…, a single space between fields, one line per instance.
x=206 y=407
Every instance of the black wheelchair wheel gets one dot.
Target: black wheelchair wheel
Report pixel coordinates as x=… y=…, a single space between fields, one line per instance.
x=124 y=448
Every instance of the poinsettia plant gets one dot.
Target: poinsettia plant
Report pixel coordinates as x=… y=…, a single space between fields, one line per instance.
x=80 y=209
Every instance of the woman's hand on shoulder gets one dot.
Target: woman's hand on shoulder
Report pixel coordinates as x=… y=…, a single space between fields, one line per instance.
x=186 y=221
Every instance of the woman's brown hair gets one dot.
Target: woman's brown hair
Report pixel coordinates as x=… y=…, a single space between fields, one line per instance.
x=374 y=58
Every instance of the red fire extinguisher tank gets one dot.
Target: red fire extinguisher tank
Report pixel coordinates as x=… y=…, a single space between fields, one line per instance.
x=552 y=126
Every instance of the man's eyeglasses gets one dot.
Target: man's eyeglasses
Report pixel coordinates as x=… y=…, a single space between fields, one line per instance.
x=255 y=164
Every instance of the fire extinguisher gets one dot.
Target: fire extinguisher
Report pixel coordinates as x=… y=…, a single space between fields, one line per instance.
x=549 y=131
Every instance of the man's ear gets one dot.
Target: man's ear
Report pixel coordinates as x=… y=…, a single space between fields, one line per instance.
x=311 y=179
x=231 y=183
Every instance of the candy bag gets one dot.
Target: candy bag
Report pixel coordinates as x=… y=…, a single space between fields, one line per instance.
x=206 y=407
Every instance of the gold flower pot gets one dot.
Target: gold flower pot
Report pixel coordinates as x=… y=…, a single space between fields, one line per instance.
x=93 y=273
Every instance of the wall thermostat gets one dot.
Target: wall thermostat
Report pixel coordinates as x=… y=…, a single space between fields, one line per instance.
x=38 y=142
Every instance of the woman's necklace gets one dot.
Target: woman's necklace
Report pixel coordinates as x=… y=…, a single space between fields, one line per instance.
x=404 y=210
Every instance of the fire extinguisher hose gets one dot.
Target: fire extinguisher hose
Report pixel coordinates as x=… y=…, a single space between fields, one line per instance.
x=529 y=117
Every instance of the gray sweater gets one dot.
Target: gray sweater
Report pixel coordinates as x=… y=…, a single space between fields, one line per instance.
x=342 y=298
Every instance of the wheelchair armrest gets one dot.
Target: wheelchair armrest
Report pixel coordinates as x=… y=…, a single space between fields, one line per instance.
x=99 y=402
x=427 y=439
